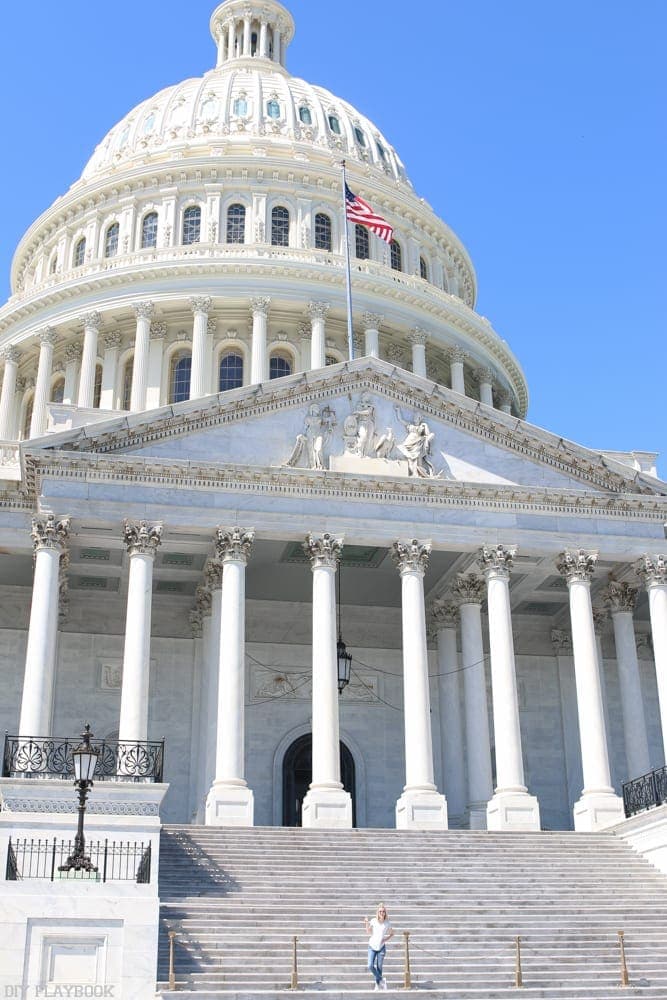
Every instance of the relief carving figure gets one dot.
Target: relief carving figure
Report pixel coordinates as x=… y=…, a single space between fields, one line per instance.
x=308 y=451
x=417 y=446
x=359 y=429
x=385 y=444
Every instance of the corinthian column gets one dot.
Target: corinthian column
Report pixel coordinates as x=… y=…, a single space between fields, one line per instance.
x=484 y=377
x=326 y=804
x=142 y=541
x=230 y=802
x=418 y=338
x=652 y=571
x=469 y=592
x=598 y=806
x=11 y=356
x=199 y=377
x=445 y=615
x=456 y=358
x=372 y=323
x=620 y=598
x=318 y=312
x=49 y=537
x=91 y=329
x=420 y=807
x=47 y=339
x=259 y=309
x=143 y=311
x=511 y=807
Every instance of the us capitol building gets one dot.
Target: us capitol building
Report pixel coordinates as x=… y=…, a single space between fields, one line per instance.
x=207 y=506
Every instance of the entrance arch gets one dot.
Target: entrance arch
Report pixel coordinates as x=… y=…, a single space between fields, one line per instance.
x=297 y=775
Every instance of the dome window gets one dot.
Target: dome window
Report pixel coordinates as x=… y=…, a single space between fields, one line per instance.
x=362 y=246
x=230 y=375
x=381 y=150
x=209 y=109
x=396 y=256
x=53 y=265
x=322 y=232
x=124 y=136
x=279 y=366
x=149 y=124
x=273 y=109
x=240 y=107
x=79 y=255
x=359 y=136
x=236 y=224
x=191 y=225
x=149 y=231
x=253 y=44
x=334 y=125
x=280 y=227
x=111 y=240
x=179 y=382
x=423 y=269
x=305 y=115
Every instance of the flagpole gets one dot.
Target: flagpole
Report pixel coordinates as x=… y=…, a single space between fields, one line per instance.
x=350 y=331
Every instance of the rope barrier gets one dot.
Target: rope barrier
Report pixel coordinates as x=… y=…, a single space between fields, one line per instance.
x=407 y=977
x=294 y=981
x=625 y=979
x=518 y=975
x=172 y=972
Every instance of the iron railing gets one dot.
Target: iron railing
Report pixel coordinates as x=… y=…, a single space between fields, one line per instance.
x=115 y=860
x=51 y=757
x=646 y=792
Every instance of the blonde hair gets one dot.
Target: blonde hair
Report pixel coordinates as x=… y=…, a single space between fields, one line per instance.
x=381 y=906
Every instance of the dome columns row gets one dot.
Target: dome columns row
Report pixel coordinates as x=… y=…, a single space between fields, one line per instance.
x=232 y=32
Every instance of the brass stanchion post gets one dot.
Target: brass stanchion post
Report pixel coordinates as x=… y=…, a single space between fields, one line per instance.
x=625 y=979
x=294 y=982
x=172 y=973
x=407 y=976
x=518 y=975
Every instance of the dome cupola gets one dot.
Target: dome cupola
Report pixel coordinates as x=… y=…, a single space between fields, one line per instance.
x=259 y=30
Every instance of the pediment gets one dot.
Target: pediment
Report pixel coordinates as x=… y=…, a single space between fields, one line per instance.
x=362 y=418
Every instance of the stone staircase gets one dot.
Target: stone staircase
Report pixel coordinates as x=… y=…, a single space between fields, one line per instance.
x=236 y=897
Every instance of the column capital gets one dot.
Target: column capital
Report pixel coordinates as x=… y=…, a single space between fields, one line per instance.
x=469 y=589
x=260 y=306
x=457 y=354
x=418 y=336
x=143 y=310
x=91 y=321
x=49 y=532
x=323 y=550
x=200 y=304
x=620 y=596
x=234 y=544
x=412 y=556
x=483 y=375
x=577 y=565
x=112 y=340
x=445 y=613
x=213 y=574
x=600 y=617
x=203 y=600
x=561 y=641
x=318 y=310
x=158 y=330
x=142 y=537
x=372 y=321
x=72 y=353
x=10 y=354
x=652 y=570
x=497 y=559
x=47 y=335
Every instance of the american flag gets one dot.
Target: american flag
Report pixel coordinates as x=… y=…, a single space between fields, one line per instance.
x=360 y=211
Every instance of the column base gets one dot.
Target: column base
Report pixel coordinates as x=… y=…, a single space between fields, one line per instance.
x=476 y=816
x=421 y=809
x=327 y=809
x=229 y=805
x=513 y=811
x=597 y=810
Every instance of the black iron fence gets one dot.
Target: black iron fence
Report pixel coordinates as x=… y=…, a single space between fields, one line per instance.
x=646 y=792
x=115 y=860
x=51 y=757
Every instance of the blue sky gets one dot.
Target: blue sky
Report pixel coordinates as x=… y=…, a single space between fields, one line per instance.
x=535 y=129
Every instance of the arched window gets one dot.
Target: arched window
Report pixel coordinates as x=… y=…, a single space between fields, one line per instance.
x=111 y=240
x=236 y=224
x=126 y=387
x=334 y=124
x=149 y=231
x=231 y=372
x=280 y=227
x=191 y=225
x=240 y=107
x=305 y=115
x=322 y=231
x=273 y=109
x=97 y=387
x=361 y=242
x=27 y=420
x=179 y=380
x=381 y=151
x=423 y=269
x=58 y=390
x=359 y=136
x=253 y=44
x=79 y=255
x=279 y=365
x=54 y=264
x=396 y=256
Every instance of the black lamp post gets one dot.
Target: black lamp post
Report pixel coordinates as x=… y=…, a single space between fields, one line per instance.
x=344 y=658
x=85 y=761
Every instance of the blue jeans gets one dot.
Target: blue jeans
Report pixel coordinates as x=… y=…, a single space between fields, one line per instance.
x=375 y=960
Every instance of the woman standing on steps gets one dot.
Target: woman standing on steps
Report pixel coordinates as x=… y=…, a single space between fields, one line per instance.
x=379 y=931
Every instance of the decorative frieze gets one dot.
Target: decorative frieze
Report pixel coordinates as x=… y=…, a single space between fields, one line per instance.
x=142 y=537
x=497 y=559
x=620 y=596
x=412 y=556
x=577 y=565
x=324 y=550
x=469 y=588
x=49 y=532
x=234 y=544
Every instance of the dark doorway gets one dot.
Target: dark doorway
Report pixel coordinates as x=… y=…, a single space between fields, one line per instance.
x=297 y=771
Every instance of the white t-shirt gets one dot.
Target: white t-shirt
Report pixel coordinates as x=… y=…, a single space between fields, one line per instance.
x=379 y=932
